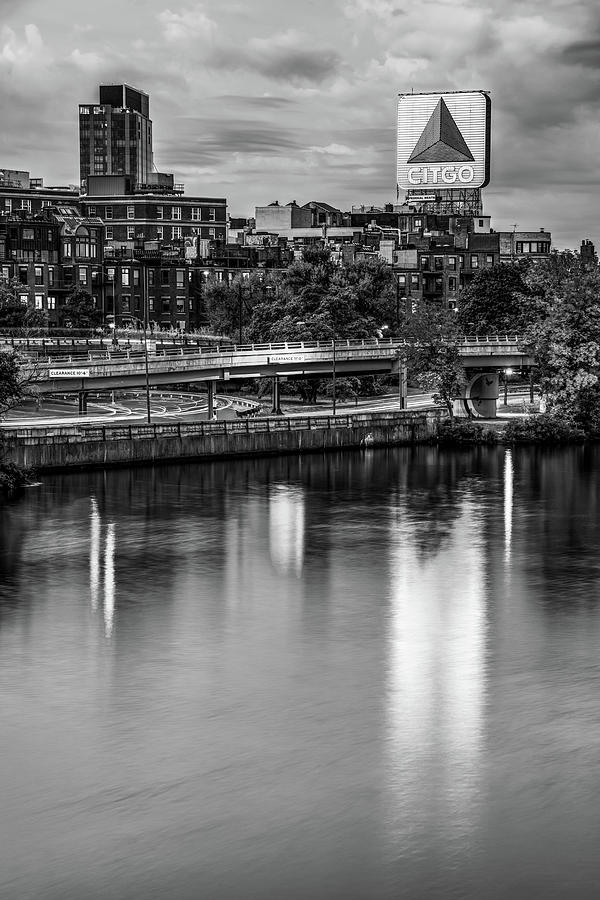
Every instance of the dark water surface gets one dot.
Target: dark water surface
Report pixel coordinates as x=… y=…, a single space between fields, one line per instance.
x=366 y=676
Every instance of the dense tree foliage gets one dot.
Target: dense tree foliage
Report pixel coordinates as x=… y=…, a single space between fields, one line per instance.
x=566 y=346
x=13 y=313
x=432 y=356
x=79 y=311
x=504 y=299
x=314 y=299
x=16 y=384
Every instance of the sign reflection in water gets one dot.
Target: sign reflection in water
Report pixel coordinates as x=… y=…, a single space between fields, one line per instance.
x=286 y=529
x=96 y=566
x=437 y=684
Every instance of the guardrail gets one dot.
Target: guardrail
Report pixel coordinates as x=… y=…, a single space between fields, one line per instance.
x=157 y=351
x=269 y=425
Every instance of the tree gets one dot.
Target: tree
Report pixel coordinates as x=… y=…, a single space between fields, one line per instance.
x=16 y=382
x=501 y=300
x=432 y=355
x=14 y=314
x=228 y=307
x=566 y=347
x=79 y=311
x=317 y=300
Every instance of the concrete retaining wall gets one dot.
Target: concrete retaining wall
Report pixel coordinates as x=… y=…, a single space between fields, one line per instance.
x=84 y=446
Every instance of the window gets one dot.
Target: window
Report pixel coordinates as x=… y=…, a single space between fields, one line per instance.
x=176 y=232
x=195 y=213
x=27 y=234
x=180 y=305
x=24 y=299
x=151 y=276
x=196 y=230
x=461 y=260
x=452 y=263
x=151 y=304
x=474 y=261
x=401 y=280
x=51 y=302
x=176 y=213
x=414 y=281
x=67 y=248
x=424 y=261
x=131 y=212
x=22 y=274
x=6 y=272
x=418 y=223
x=51 y=276
x=212 y=214
x=46 y=203
x=452 y=283
x=180 y=275
x=108 y=212
x=110 y=274
x=26 y=204
x=91 y=210
x=159 y=233
x=438 y=263
x=125 y=277
x=8 y=205
x=489 y=260
x=159 y=212
x=126 y=302
x=39 y=301
x=130 y=232
x=39 y=275
x=109 y=233
x=136 y=277
x=481 y=223
x=164 y=276
x=211 y=233
x=83 y=275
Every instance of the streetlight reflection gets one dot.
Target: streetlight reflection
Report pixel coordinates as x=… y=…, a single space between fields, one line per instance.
x=109 y=580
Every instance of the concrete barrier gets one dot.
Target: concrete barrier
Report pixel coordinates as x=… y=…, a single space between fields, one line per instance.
x=88 y=446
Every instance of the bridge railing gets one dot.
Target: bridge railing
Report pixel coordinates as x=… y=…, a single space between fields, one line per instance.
x=156 y=352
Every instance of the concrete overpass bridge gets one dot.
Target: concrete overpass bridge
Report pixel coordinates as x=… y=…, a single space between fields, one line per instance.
x=98 y=370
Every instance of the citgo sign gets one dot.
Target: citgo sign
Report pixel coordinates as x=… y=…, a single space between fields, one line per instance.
x=443 y=140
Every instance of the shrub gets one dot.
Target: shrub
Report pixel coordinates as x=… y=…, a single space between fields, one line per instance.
x=464 y=432
x=12 y=479
x=542 y=429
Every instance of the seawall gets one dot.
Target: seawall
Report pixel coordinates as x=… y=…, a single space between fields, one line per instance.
x=93 y=446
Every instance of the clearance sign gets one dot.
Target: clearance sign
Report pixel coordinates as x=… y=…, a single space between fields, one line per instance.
x=443 y=140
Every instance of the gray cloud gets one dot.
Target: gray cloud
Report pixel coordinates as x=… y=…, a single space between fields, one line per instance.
x=256 y=101
x=583 y=53
x=294 y=65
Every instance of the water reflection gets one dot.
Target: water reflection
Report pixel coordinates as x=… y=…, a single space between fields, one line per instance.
x=436 y=686
x=508 y=503
x=109 y=580
x=95 y=526
x=286 y=529
x=304 y=676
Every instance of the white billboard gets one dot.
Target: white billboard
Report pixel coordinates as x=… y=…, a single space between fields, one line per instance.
x=443 y=140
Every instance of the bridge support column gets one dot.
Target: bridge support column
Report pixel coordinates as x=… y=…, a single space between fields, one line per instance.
x=211 y=399
x=480 y=397
x=82 y=403
x=276 y=411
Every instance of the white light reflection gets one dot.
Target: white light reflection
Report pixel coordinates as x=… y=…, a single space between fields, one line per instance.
x=508 y=502
x=286 y=529
x=95 y=525
x=109 y=580
x=436 y=686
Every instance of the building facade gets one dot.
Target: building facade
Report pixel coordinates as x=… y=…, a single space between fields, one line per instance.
x=115 y=135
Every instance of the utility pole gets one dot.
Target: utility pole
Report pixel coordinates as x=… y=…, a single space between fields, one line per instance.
x=334 y=374
x=145 y=302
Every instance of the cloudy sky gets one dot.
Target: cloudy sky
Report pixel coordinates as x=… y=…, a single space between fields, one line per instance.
x=271 y=100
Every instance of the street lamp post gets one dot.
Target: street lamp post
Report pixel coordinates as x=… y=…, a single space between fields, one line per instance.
x=334 y=377
x=145 y=302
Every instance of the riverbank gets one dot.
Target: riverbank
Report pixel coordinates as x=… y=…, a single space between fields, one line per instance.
x=103 y=446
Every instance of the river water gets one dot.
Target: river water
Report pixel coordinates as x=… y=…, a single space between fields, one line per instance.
x=370 y=675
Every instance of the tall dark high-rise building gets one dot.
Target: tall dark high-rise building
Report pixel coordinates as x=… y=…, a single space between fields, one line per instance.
x=115 y=135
